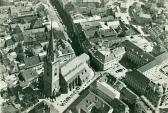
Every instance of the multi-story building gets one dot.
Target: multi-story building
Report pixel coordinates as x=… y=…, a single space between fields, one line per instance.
x=105 y=59
x=138 y=50
x=150 y=80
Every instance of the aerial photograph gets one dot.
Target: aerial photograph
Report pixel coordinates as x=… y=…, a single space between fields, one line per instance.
x=83 y=56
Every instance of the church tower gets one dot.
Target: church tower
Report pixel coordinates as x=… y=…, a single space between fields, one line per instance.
x=51 y=68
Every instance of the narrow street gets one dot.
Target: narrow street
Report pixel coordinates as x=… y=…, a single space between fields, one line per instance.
x=67 y=21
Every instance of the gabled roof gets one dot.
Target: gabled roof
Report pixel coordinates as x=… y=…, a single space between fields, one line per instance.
x=28 y=75
x=18 y=37
x=138 y=78
x=103 y=58
x=38 y=23
x=42 y=36
x=73 y=63
x=127 y=93
x=9 y=42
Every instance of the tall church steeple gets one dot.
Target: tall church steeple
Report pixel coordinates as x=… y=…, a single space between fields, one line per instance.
x=51 y=46
x=51 y=68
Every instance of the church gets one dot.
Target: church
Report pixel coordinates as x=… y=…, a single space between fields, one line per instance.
x=65 y=77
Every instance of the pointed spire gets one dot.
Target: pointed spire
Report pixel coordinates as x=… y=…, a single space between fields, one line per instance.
x=51 y=48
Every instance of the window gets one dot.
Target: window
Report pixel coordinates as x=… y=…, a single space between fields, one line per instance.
x=55 y=74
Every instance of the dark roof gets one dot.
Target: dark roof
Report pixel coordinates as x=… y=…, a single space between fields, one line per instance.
x=97 y=11
x=29 y=18
x=138 y=78
x=158 y=60
x=9 y=42
x=17 y=29
x=130 y=45
x=108 y=18
x=28 y=75
x=127 y=93
x=32 y=61
x=18 y=37
x=107 y=33
x=10 y=108
x=87 y=44
x=42 y=36
x=37 y=23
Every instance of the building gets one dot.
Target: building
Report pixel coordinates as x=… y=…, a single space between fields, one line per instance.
x=137 y=51
x=9 y=44
x=105 y=88
x=64 y=51
x=51 y=69
x=154 y=78
x=128 y=96
x=89 y=3
x=104 y=59
x=67 y=76
x=142 y=43
x=75 y=73
x=88 y=102
x=44 y=107
x=141 y=107
x=33 y=62
x=143 y=18
x=27 y=77
x=108 y=90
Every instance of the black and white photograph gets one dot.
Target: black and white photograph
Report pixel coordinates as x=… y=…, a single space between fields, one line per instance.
x=83 y=56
